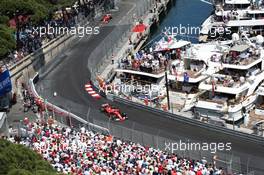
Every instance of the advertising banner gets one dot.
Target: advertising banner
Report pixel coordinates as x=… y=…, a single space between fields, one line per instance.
x=5 y=83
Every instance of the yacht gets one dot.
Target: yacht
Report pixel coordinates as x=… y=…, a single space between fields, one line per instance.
x=233 y=4
x=147 y=67
x=231 y=91
x=232 y=17
x=187 y=72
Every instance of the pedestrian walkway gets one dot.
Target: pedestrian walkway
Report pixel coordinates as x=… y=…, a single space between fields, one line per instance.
x=16 y=116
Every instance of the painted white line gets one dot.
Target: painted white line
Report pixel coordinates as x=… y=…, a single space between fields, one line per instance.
x=92 y=92
x=95 y=95
x=89 y=89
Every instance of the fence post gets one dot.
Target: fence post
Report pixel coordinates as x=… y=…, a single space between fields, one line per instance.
x=88 y=117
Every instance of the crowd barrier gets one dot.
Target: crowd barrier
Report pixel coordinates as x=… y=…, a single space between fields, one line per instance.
x=63 y=113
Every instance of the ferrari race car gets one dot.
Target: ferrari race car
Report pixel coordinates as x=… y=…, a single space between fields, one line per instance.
x=113 y=113
x=106 y=18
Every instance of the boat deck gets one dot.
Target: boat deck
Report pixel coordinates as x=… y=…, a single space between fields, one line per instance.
x=254 y=118
x=241 y=61
x=176 y=106
x=190 y=73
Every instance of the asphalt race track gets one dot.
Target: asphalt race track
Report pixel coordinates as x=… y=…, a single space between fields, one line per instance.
x=71 y=74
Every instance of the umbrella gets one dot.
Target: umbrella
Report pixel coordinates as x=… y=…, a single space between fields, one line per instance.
x=12 y=23
x=139 y=28
x=22 y=20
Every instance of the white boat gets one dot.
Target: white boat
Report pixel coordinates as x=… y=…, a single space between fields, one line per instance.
x=149 y=68
x=231 y=17
x=232 y=90
x=234 y=4
x=152 y=63
x=187 y=72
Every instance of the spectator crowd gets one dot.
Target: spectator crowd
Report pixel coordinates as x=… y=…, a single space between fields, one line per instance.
x=84 y=152
x=146 y=61
x=29 y=40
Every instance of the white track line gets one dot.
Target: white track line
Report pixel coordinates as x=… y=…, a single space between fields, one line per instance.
x=92 y=92
x=89 y=89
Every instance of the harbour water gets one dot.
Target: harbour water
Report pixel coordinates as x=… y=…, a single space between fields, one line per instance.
x=183 y=16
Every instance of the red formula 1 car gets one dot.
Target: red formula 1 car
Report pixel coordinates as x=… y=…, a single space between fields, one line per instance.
x=106 y=18
x=113 y=113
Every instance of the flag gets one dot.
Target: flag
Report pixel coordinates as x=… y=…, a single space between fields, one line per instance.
x=186 y=77
x=5 y=82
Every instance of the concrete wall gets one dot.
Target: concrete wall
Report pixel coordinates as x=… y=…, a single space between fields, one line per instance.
x=26 y=68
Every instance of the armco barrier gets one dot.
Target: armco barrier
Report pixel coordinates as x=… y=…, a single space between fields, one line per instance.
x=62 y=111
x=244 y=136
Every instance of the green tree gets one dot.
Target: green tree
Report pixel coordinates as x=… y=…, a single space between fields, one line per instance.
x=38 y=10
x=18 y=160
x=4 y=19
x=7 y=40
x=19 y=172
